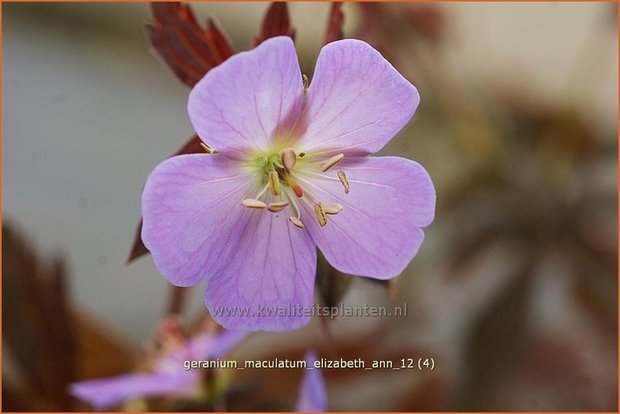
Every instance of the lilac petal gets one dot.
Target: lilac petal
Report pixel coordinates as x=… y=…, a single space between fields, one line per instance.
x=250 y=98
x=107 y=392
x=192 y=214
x=313 y=393
x=204 y=346
x=209 y=346
x=379 y=230
x=268 y=281
x=357 y=101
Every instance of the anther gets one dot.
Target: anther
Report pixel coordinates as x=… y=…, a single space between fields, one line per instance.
x=332 y=208
x=253 y=203
x=277 y=206
x=296 y=222
x=320 y=214
x=289 y=158
x=344 y=181
x=207 y=148
x=274 y=183
x=302 y=154
x=331 y=162
x=306 y=83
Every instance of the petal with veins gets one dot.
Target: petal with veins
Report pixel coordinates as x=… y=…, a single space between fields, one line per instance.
x=357 y=101
x=193 y=218
x=378 y=231
x=250 y=100
x=272 y=271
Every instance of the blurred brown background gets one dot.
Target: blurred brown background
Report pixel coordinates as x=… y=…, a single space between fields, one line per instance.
x=514 y=293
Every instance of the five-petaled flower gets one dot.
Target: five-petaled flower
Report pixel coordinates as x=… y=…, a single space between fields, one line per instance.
x=287 y=170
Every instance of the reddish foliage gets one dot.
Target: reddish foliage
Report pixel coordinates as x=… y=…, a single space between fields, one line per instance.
x=189 y=50
x=275 y=23
x=334 y=23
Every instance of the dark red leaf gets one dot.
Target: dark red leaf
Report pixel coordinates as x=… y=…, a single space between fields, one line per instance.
x=138 y=249
x=275 y=23
x=334 y=23
x=189 y=50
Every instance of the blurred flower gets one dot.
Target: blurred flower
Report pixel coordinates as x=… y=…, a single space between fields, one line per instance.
x=276 y=143
x=169 y=377
x=312 y=394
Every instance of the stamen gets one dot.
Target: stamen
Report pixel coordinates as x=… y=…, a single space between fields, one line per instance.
x=289 y=158
x=294 y=203
x=296 y=222
x=277 y=206
x=331 y=162
x=259 y=195
x=306 y=83
x=320 y=214
x=253 y=203
x=207 y=148
x=332 y=208
x=302 y=154
x=344 y=181
x=274 y=182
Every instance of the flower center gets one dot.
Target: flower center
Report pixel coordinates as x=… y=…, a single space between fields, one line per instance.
x=283 y=189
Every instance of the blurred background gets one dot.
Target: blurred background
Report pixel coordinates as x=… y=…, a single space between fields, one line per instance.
x=514 y=293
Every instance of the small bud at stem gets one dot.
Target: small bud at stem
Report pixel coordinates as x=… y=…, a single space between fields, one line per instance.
x=344 y=181
x=274 y=183
x=277 y=206
x=253 y=203
x=289 y=158
x=331 y=162
x=296 y=222
x=332 y=208
x=320 y=214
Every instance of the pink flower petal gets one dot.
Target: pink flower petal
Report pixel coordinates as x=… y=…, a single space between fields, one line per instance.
x=107 y=392
x=379 y=230
x=357 y=101
x=210 y=346
x=268 y=281
x=313 y=393
x=250 y=99
x=193 y=218
x=204 y=346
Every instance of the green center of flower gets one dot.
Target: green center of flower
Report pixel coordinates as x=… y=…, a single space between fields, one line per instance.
x=281 y=188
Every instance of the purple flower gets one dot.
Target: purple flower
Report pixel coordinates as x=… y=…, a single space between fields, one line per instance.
x=169 y=376
x=288 y=169
x=312 y=394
